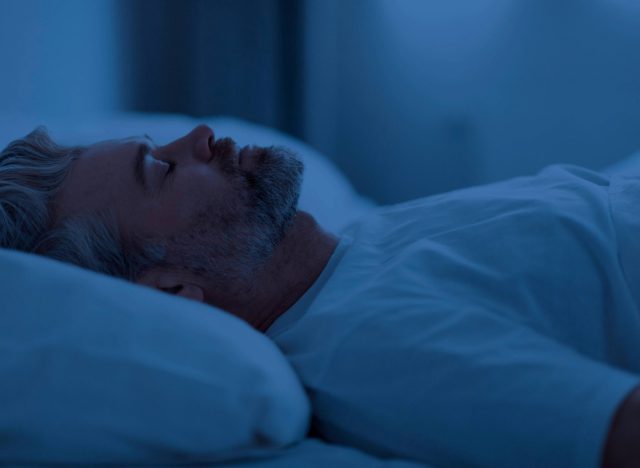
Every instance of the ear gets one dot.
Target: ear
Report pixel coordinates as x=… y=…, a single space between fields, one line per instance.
x=172 y=283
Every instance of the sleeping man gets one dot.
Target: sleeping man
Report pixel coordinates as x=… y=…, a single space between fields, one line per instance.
x=494 y=326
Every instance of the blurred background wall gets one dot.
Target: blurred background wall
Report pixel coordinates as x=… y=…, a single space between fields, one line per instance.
x=408 y=97
x=60 y=56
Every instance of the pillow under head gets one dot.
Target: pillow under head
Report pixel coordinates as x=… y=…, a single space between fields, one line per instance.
x=95 y=369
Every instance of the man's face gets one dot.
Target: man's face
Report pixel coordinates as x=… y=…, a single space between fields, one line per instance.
x=222 y=211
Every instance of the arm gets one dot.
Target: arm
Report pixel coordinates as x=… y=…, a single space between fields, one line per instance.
x=622 y=448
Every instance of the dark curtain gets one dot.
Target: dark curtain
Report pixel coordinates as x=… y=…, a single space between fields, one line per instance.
x=211 y=57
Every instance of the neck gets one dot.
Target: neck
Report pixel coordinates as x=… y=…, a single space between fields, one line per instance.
x=294 y=266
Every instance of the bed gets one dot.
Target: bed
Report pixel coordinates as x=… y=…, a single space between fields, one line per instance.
x=95 y=369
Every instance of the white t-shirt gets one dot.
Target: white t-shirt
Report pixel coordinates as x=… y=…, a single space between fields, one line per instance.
x=495 y=326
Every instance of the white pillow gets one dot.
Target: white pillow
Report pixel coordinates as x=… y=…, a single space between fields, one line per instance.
x=326 y=193
x=95 y=369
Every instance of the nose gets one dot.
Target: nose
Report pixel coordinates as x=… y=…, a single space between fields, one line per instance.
x=197 y=145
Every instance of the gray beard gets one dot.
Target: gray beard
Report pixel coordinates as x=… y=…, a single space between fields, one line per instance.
x=274 y=194
x=228 y=248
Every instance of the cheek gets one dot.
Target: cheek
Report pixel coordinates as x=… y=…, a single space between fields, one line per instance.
x=179 y=205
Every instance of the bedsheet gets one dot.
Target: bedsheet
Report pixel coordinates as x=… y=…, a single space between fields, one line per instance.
x=314 y=453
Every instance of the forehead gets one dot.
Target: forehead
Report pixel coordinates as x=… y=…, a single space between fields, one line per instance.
x=102 y=177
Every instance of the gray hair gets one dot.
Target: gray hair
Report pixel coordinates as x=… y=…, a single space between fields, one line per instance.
x=32 y=170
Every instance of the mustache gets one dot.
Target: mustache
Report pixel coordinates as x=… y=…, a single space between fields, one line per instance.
x=225 y=154
x=224 y=148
